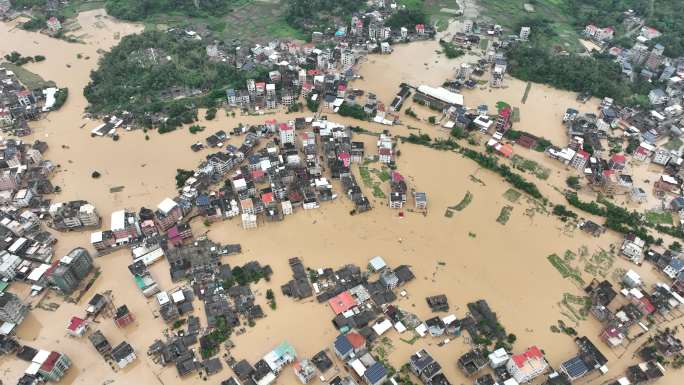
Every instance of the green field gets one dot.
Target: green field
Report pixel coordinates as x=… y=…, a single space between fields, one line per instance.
x=27 y=78
x=565 y=269
x=504 y=215
x=674 y=144
x=73 y=7
x=658 y=217
x=464 y=202
x=368 y=181
x=436 y=10
x=512 y=195
x=252 y=20
x=510 y=14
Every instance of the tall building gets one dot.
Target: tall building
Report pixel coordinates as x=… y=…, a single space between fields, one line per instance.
x=287 y=133
x=12 y=310
x=71 y=270
x=347 y=59
x=88 y=215
x=64 y=279
x=79 y=261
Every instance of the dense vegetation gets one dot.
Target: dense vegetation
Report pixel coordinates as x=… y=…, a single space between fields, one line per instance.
x=136 y=10
x=617 y=218
x=182 y=176
x=598 y=74
x=60 y=98
x=311 y=15
x=35 y=23
x=26 y=4
x=668 y=18
x=450 y=50
x=605 y=12
x=15 y=58
x=354 y=111
x=407 y=18
x=140 y=73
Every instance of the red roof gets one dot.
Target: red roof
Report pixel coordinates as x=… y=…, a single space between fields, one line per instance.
x=611 y=332
x=173 y=232
x=506 y=150
x=647 y=305
x=342 y=302
x=261 y=85
x=75 y=323
x=505 y=112
x=618 y=158
x=342 y=87
x=345 y=158
x=396 y=177
x=385 y=151
x=641 y=151
x=271 y=121
x=49 y=363
x=533 y=353
x=608 y=173
x=356 y=340
x=313 y=72
x=267 y=198
x=420 y=26
x=583 y=154
x=294 y=196
x=256 y=174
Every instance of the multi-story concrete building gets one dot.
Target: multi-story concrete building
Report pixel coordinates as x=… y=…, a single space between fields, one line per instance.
x=287 y=133
x=125 y=226
x=168 y=214
x=12 y=310
x=9 y=180
x=64 y=279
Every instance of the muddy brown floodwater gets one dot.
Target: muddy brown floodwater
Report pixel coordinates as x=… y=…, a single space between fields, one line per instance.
x=467 y=257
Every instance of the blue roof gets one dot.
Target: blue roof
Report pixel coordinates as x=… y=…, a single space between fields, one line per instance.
x=202 y=200
x=677 y=264
x=342 y=345
x=575 y=367
x=375 y=373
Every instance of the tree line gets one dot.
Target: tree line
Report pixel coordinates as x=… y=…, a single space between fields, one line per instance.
x=141 y=73
x=137 y=10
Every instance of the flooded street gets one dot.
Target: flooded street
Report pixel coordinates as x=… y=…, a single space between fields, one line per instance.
x=467 y=257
